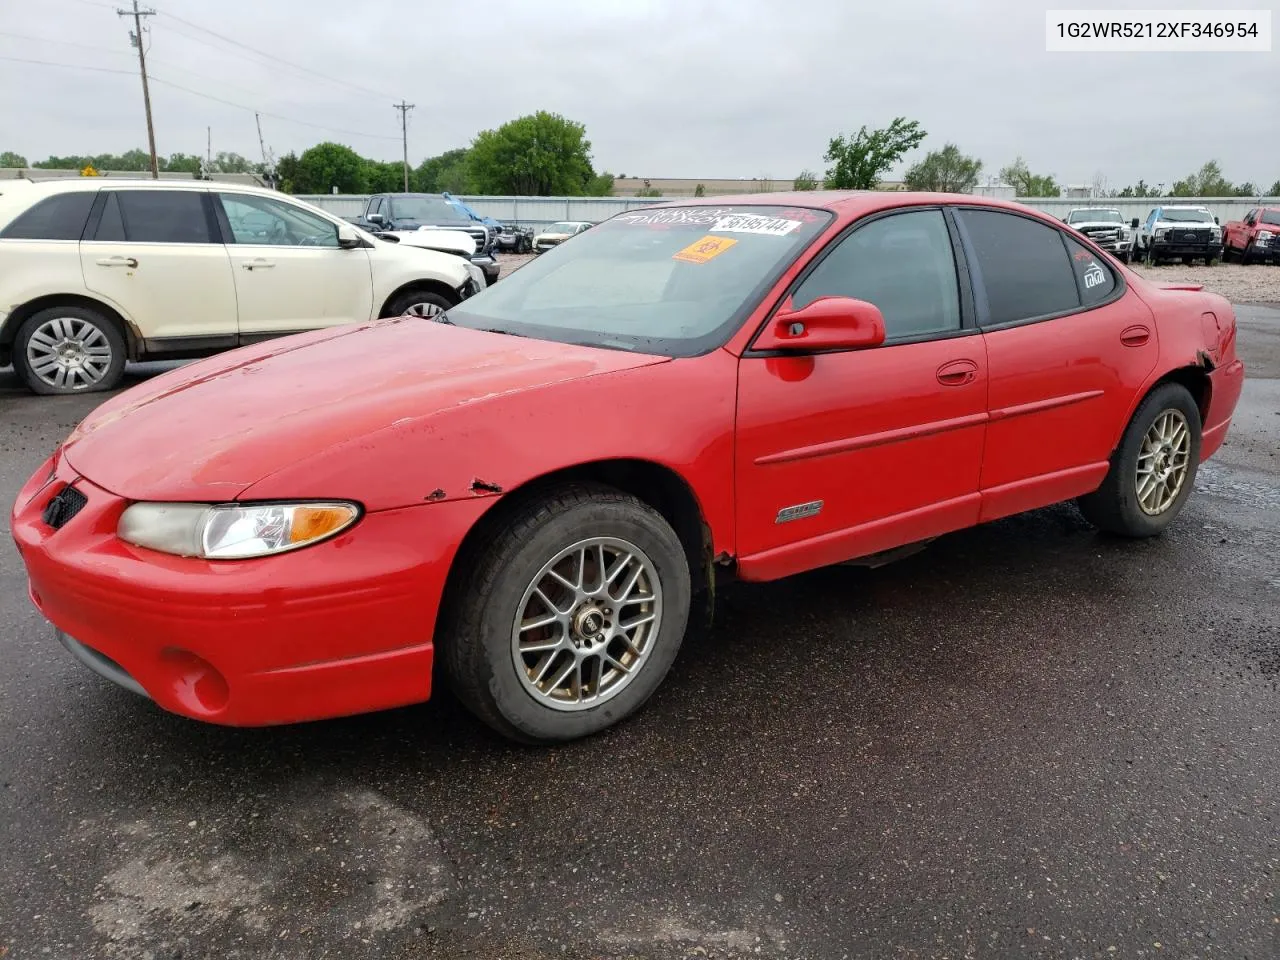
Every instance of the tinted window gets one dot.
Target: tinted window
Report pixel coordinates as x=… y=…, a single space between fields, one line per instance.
x=111 y=224
x=59 y=217
x=261 y=220
x=901 y=263
x=159 y=216
x=1271 y=217
x=1094 y=278
x=376 y=205
x=1021 y=264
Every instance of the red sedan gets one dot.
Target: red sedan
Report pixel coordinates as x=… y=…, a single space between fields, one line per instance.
x=537 y=483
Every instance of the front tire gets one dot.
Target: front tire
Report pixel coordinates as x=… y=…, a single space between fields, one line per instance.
x=64 y=350
x=568 y=617
x=1154 y=468
x=418 y=303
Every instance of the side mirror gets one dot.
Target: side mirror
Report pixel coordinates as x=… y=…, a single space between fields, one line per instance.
x=1134 y=223
x=347 y=237
x=375 y=218
x=1217 y=221
x=829 y=323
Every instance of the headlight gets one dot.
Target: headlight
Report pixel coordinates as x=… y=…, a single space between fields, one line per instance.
x=1265 y=234
x=1161 y=232
x=477 y=275
x=233 y=531
x=1215 y=233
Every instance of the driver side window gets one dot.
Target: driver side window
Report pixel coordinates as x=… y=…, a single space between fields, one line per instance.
x=266 y=222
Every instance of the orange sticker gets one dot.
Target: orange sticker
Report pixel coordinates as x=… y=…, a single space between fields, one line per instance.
x=700 y=251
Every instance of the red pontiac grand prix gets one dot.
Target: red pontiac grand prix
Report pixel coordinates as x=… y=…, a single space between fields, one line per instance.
x=535 y=485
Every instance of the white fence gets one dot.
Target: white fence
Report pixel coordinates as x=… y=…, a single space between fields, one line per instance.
x=537 y=211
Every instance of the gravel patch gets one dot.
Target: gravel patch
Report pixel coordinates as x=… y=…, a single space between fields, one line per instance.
x=1239 y=284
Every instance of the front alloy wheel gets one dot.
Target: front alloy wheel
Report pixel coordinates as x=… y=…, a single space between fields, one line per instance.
x=587 y=623
x=566 y=612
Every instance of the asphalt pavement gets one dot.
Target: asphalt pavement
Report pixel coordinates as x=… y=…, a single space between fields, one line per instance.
x=1028 y=740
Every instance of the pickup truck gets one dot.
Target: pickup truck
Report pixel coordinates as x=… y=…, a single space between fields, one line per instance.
x=398 y=212
x=1256 y=237
x=1105 y=227
x=1179 y=232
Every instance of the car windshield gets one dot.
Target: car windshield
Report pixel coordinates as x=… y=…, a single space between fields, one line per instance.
x=1272 y=217
x=562 y=228
x=425 y=209
x=1095 y=216
x=674 y=282
x=1186 y=216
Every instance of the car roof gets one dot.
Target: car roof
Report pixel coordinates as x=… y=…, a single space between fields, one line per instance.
x=850 y=204
x=71 y=184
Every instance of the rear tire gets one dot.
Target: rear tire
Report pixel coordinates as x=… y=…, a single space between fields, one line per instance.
x=1132 y=501
x=511 y=579
x=65 y=350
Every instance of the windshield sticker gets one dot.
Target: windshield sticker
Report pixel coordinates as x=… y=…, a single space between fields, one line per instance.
x=750 y=223
x=697 y=216
x=1094 y=276
x=700 y=251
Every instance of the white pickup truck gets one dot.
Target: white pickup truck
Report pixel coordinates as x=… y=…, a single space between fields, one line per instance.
x=1105 y=227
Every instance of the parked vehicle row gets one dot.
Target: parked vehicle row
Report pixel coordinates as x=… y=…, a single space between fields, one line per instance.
x=397 y=213
x=94 y=272
x=786 y=381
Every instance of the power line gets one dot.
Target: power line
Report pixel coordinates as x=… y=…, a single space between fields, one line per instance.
x=273 y=59
x=66 y=43
x=206 y=96
x=136 y=36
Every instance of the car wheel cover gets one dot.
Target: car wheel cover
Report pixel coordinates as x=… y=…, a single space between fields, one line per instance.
x=1164 y=460
x=586 y=624
x=424 y=309
x=69 y=353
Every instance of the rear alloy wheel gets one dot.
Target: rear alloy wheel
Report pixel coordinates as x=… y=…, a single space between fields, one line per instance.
x=570 y=616
x=1154 y=468
x=63 y=350
x=418 y=303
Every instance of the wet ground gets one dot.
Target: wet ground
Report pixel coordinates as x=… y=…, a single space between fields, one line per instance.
x=1027 y=741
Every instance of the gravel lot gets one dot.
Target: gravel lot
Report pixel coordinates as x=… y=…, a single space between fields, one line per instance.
x=1239 y=284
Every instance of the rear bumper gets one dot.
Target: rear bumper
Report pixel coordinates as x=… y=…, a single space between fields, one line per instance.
x=340 y=628
x=1225 y=384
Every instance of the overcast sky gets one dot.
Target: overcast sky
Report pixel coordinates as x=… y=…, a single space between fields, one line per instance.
x=695 y=88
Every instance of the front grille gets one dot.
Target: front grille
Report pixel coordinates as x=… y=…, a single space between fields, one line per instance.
x=59 y=511
x=1102 y=234
x=481 y=236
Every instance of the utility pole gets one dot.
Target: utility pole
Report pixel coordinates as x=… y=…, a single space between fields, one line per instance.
x=208 y=156
x=404 y=109
x=136 y=37
x=268 y=162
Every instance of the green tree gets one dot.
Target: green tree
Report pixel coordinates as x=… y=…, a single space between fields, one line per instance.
x=1028 y=184
x=700 y=191
x=1208 y=181
x=384 y=177
x=448 y=172
x=329 y=165
x=648 y=192
x=1246 y=189
x=540 y=155
x=10 y=159
x=805 y=180
x=225 y=162
x=1274 y=189
x=946 y=170
x=182 y=163
x=857 y=162
x=1139 y=190
x=601 y=185
x=287 y=173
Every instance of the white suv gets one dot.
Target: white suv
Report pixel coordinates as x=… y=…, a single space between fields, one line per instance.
x=97 y=271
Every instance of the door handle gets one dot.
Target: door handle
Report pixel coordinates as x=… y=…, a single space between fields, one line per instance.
x=1135 y=336
x=117 y=262
x=957 y=373
x=258 y=264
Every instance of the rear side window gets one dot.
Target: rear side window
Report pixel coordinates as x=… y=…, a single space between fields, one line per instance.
x=1022 y=266
x=59 y=217
x=1271 y=217
x=155 y=216
x=1094 y=279
x=901 y=263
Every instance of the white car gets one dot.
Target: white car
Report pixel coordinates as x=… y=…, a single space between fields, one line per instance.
x=1105 y=227
x=558 y=233
x=94 y=272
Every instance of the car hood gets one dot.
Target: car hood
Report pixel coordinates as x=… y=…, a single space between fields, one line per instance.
x=209 y=431
x=1112 y=224
x=409 y=224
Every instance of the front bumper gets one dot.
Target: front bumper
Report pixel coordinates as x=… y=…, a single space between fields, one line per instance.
x=1178 y=248
x=339 y=628
x=492 y=269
